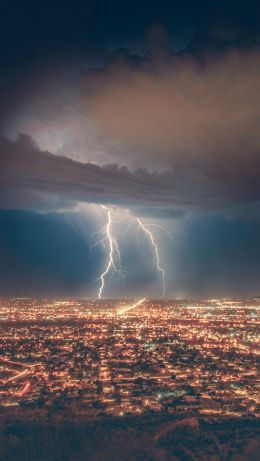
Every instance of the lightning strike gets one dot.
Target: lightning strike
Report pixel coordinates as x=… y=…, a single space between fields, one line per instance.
x=109 y=241
x=129 y=226
x=163 y=229
x=125 y=309
x=156 y=252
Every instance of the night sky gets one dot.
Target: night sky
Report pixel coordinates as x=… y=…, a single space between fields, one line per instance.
x=151 y=108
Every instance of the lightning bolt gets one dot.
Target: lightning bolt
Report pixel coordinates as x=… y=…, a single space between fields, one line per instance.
x=156 y=252
x=108 y=241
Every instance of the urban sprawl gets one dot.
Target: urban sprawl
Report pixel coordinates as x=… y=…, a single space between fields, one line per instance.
x=117 y=357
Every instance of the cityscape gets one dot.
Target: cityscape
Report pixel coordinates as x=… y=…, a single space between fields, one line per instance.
x=129 y=230
x=103 y=358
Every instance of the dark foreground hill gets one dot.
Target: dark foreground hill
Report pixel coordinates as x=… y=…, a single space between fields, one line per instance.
x=144 y=438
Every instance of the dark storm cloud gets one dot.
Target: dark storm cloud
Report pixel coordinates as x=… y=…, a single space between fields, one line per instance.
x=39 y=35
x=179 y=111
x=30 y=178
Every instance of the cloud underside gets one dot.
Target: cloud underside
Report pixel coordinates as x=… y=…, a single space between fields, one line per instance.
x=33 y=179
x=191 y=110
x=181 y=134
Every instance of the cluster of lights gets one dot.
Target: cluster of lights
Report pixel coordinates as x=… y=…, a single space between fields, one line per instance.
x=122 y=357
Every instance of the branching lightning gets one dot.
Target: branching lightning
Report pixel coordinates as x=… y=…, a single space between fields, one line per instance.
x=109 y=241
x=156 y=252
x=163 y=229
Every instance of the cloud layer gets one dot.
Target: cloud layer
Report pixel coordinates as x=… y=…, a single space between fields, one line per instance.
x=177 y=109
x=31 y=178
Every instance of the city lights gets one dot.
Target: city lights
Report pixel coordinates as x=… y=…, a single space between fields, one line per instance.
x=131 y=357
